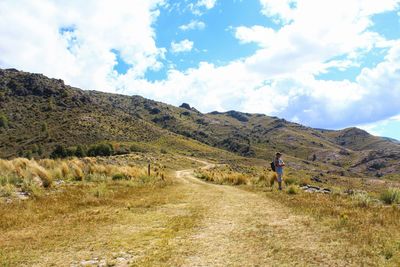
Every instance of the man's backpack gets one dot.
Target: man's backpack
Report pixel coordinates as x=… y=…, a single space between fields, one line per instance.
x=273 y=166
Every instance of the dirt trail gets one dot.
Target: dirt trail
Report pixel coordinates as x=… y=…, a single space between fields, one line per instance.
x=241 y=228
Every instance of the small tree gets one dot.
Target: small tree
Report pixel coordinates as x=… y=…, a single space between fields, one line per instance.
x=70 y=151
x=59 y=152
x=101 y=150
x=80 y=151
x=35 y=148
x=28 y=154
x=40 y=150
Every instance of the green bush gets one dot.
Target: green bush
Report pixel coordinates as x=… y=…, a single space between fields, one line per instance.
x=59 y=152
x=119 y=176
x=391 y=196
x=290 y=181
x=103 y=149
x=80 y=151
x=136 y=148
x=28 y=154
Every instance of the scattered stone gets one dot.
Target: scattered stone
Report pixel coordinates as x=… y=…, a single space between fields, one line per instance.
x=315 y=189
x=118 y=259
x=59 y=182
x=22 y=195
x=92 y=262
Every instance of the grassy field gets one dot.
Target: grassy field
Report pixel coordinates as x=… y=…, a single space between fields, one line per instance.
x=365 y=212
x=91 y=210
x=109 y=211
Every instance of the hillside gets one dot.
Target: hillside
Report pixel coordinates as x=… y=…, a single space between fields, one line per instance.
x=43 y=112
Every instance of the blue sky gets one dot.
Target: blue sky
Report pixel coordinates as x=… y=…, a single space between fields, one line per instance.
x=326 y=64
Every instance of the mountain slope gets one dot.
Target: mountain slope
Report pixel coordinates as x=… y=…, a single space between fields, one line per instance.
x=45 y=112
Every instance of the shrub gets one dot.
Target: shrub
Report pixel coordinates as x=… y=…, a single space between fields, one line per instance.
x=28 y=154
x=163 y=151
x=80 y=151
x=292 y=190
x=103 y=149
x=59 y=152
x=136 y=148
x=119 y=176
x=39 y=150
x=70 y=152
x=290 y=181
x=6 y=190
x=391 y=196
x=362 y=200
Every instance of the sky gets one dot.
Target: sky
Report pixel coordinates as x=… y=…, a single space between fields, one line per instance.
x=327 y=64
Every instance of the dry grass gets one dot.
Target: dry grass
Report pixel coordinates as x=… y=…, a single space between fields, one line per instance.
x=215 y=175
x=31 y=175
x=90 y=214
x=362 y=218
x=93 y=220
x=226 y=174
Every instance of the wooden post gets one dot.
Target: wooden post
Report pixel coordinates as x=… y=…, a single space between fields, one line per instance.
x=148 y=169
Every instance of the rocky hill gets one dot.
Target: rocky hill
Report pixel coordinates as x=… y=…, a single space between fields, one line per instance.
x=38 y=113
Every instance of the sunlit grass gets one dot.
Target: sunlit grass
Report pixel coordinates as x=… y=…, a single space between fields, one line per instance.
x=31 y=175
x=362 y=218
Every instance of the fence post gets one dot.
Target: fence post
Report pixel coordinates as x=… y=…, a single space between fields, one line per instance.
x=148 y=169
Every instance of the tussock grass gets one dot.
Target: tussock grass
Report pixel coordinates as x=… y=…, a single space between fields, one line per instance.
x=220 y=175
x=292 y=190
x=90 y=220
x=238 y=175
x=31 y=175
x=391 y=196
x=290 y=181
x=362 y=199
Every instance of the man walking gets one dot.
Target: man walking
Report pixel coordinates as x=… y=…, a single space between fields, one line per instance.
x=279 y=164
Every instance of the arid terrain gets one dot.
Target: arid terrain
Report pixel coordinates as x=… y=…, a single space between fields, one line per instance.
x=97 y=179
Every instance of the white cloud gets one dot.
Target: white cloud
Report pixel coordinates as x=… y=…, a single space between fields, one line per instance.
x=200 y=6
x=279 y=79
x=206 y=3
x=257 y=34
x=30 y=39
x=182 y=46
x=379 y=128
x=319 y=32
x=193 y=25
x=282 y=10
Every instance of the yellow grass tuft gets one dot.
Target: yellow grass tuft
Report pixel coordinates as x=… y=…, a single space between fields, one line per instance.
x=30 y=175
